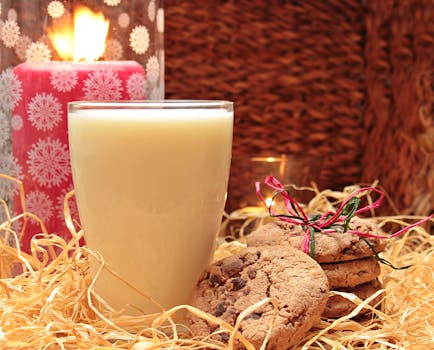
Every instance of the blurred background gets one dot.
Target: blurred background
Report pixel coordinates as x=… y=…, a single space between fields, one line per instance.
x=344 y=85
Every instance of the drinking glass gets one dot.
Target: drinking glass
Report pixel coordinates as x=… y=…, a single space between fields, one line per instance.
x=150 y=180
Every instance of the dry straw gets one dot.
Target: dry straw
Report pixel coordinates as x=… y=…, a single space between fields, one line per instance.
x=51 y=303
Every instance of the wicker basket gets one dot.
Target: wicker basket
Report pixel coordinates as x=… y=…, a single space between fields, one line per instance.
x=349 y=82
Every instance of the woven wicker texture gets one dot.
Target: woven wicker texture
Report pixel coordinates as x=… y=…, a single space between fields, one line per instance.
x=399 y=109
x=344 y=84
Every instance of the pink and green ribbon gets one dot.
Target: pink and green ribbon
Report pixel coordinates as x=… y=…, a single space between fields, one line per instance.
x=337 y=221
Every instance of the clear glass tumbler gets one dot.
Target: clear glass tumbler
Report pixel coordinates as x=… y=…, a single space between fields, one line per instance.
x=150 y=181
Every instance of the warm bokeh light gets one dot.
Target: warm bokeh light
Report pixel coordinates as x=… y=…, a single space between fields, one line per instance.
x=269 y=201
x=86 y=41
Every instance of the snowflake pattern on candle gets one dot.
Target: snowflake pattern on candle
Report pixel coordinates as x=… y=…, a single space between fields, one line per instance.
x=112 y=2
x=38 y=53
x=64 y=79
x=113 y=50
x=102 y=85
x=3 y=216
x=48 y=162
x=10 y=90
x=4 y=129
x=157 y=94
x=56 y=9
x=22 y=45
x=10 y=33
x=136 y=86
x=153 y=69
x=16 y=225
x=139 y=39
x=9 y=165
x=16 y=122
x=40 y=204
x=45 y=111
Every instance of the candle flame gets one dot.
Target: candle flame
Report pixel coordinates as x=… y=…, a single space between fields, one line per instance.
x=85 y=41
x=90 y=33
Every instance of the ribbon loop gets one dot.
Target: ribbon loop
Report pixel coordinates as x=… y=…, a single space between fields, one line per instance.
x=328 y=222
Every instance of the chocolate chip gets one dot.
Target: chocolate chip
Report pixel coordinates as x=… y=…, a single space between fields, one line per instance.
x=224 y=337
x=233 y=267
x=231 y=314
x=254 y=316
x=238 y=283
x=251 y=273
x=215 y=280
x=247 y=290
x=232 y=299
x=348 y=251
x=220 y=309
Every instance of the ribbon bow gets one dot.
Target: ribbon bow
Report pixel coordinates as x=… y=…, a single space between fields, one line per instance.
x=330 y=221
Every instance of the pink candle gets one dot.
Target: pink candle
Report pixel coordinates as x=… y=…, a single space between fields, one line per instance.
x=40 y=141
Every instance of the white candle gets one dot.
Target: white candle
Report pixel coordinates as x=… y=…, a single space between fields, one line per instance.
x=150 y=185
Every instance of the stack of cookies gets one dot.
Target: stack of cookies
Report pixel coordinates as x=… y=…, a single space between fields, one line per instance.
x=347 y=259
x=274 y=266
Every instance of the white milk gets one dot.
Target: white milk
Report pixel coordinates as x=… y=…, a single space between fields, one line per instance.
x=150 y=186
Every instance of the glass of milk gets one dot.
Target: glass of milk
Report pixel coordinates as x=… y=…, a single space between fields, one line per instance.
x=150 y=180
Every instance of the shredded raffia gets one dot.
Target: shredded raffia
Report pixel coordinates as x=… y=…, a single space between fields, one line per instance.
x=47 y=299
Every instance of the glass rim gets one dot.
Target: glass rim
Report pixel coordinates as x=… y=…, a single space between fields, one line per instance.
x=151 y=104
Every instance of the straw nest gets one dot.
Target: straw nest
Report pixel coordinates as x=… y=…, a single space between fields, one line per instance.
x=47 y=299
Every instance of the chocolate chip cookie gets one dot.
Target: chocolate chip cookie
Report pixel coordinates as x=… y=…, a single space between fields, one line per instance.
x=338 y=306
x=329 y=247
x=351 y=273
x=231 y=285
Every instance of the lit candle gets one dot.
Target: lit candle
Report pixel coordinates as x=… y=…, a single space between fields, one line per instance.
x=40 y=142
